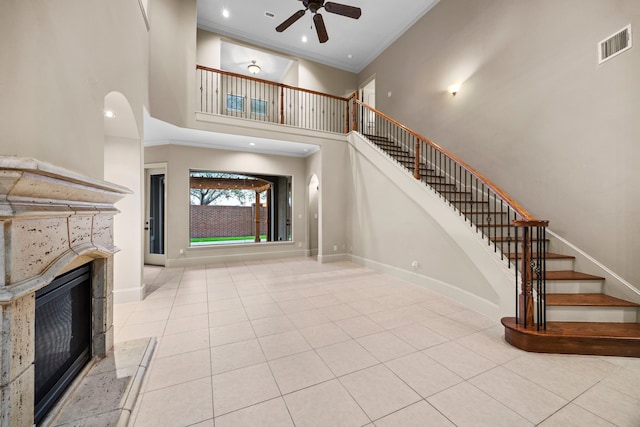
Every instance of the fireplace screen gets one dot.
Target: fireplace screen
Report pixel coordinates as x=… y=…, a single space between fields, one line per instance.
x=62 y=336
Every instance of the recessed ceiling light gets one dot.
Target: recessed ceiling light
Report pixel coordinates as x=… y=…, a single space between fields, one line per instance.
x=306 y=149
x=349 y=56
x=252 y=144
x=109 y=114
x=304 y=39
x=225 y=13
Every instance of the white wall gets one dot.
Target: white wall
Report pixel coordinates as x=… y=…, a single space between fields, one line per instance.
x=536 y=113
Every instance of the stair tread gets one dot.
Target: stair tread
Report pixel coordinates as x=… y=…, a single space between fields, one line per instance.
x=454 y=192
x=587 y=300
x=550 y=255
x=484 y=213
x=570 y=275
x=582 y=329
x=509 y=238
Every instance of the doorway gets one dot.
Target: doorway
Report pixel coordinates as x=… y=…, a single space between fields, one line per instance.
x=313 y=215
x=368 y=96
x=155 y=222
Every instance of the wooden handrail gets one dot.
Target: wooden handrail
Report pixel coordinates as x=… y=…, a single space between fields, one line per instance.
x=497 y=190
x=282 y=85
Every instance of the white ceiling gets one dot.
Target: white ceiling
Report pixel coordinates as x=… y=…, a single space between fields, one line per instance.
x=352 y=44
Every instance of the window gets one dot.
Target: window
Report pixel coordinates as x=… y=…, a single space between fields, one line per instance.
x=235 y=102
x=259 y=106
x=223 y=208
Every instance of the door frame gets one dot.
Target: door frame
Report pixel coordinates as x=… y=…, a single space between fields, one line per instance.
x=149 y=258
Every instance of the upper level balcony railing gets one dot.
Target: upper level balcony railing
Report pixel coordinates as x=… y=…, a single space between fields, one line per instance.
x=236 y=95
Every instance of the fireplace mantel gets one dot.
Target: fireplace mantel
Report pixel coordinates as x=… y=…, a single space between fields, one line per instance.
x=52 y=220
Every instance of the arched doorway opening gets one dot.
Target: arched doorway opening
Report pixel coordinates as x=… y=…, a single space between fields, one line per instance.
x=123 y=165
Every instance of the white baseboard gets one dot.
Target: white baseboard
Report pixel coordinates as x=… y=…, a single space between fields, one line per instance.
x=471 y=301
x=213 y=259
x=123 y=296
x=325 y=259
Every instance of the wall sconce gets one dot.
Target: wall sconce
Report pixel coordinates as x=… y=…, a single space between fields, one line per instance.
x=254 y=68
x=454 y=88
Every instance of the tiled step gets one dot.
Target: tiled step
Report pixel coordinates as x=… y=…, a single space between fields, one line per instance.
x=605 y=339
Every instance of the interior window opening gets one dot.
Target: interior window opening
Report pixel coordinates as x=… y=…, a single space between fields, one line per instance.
x=235 y=207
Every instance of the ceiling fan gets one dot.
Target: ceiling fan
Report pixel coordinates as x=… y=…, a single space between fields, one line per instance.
x=314 y=6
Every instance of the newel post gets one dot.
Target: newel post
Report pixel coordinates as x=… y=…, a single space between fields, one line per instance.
x=416 y=167
x=531 y=302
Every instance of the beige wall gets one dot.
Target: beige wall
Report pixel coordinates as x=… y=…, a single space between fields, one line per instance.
x=536 y=113
x=326 y=79
x=172 y=60
x=123 y=166
x=331 y=168
x=59 y=59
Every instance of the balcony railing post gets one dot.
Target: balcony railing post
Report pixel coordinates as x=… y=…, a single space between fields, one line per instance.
x=346 y=125
x=355 y=111
x=416 y=168
x=281 y=104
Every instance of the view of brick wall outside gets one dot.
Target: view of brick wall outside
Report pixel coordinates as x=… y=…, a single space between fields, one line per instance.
x=225 y=221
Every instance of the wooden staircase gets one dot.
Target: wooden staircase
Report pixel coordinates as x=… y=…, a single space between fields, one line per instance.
x=580 y=317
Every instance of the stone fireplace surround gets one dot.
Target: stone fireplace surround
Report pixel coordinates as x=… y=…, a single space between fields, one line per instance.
x=53 y=220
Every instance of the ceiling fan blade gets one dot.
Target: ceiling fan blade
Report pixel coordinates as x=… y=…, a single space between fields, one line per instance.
x=293 y=18
x=343 y=9
x=320 y=28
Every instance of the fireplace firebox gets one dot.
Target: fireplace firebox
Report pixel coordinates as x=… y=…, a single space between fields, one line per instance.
x=62 y=336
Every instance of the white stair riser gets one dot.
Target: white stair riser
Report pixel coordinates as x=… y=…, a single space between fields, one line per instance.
x=554 y=265
x=560 y=264
x=592 y=314
x=575 y=287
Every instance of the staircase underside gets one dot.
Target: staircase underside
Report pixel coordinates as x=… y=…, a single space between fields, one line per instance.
x=602 y=339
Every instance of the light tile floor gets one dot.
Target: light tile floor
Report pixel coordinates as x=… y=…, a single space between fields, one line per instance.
x=292 y=342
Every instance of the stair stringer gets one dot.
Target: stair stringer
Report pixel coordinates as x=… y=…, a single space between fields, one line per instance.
x=471 y=247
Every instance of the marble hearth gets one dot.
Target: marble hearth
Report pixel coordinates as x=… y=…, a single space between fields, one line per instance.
x=52 y=220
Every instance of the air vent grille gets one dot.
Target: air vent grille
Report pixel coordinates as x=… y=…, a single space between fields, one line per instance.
x=615 y=44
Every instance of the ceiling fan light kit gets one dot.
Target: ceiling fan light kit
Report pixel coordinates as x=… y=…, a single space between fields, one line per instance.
x=254 y=68
x=314 y=6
